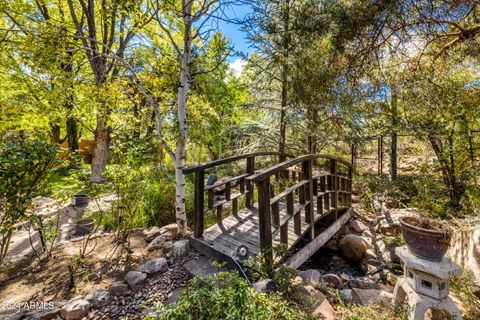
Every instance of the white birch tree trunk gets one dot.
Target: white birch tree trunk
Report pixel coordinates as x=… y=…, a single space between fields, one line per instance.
x=180 y=148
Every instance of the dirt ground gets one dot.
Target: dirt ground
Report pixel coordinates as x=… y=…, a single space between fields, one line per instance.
x=106 y=262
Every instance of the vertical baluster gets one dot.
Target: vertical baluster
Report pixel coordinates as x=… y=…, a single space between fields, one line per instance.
x=307 y=169
x=334 y=180
x=219 y=214
x=250 y=171
x=284 y=233
x=297 y=223
x=276 y=214
x=198 y=202
x=235 y=206
x=228 y=191
x=242 y=185
x=211 y=199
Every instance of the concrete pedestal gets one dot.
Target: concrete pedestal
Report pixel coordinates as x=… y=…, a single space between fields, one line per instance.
x=425 y=285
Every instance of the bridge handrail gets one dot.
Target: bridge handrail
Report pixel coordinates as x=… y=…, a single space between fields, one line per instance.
x=204 y=166
x=289 y=163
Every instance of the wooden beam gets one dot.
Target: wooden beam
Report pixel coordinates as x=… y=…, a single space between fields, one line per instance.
x=310 y=248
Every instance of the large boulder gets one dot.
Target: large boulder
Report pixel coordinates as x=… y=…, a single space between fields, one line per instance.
x=135 y=279
x=154 y=266
x=353 y=247
x=75 y=309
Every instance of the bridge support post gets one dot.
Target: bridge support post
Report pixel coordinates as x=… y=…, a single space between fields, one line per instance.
x=250 y=171
x=198 y=202
x=265 y=223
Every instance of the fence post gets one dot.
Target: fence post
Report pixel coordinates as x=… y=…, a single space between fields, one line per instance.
x=198 y=202
x=393 y=148
x=380 y=155
x=307 y=168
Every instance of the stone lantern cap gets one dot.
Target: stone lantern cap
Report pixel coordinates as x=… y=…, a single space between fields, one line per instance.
x=444 y=269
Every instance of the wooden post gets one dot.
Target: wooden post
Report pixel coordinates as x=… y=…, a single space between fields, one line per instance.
x=250 y=171
x=198 y=202
x=265 y=223
x=380 y=155
x=393 y=136
x=333 y=172
x=307 y=169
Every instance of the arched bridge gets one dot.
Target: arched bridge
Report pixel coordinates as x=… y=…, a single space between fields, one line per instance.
x=299 y=202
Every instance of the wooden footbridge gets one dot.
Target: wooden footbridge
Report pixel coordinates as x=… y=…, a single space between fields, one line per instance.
x=300 y=203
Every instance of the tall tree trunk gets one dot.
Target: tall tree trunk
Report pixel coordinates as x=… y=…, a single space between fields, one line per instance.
x=100 y=149
x=181 y=145
x=55 y=133
x=285 y=72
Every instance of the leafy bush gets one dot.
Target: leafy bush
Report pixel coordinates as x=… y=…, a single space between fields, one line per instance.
x=226 y=296
x=24 y=164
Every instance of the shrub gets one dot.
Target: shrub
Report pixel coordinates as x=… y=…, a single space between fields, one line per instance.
x=226 y=296
x=24 y=164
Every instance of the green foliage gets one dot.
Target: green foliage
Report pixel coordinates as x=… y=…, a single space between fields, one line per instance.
x=24 y=164
x=226 y=296
x=461 y=287
x=260 y=268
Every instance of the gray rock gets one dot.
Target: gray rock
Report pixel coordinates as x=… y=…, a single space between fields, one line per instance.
x=155 y=265
x=310 y=276
x=180 y=249
x=364 y=284
x=346 y=294
x=98 y=298
x=265 y=286
x=174 y=295
x=19 y=314
x=152 y=233
x=43 y=314
x=167 y=246
x=118 y=288
x=75 y=309
x=135 y=279
x=366 y=296
x=201 y=267
x=353 y=247
x=156 y=243
x=357 y=226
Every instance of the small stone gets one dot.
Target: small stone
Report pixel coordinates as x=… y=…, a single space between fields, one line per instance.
x=367 y=234
x=265 y=286
x=75 y=309
x=364 y=284
x=313 y=300
x=174 y=295
x=152 y=233
x=310 y=276
x=332 y=280
x=118 y=288
x=370 y=254
x=98 y=298
x=170 y=230
x=297 y=281
x=357 y=226
x=135 y=279
x=155 y=265
x=353 y=247
x=346 y=294
x=180 y=249
x=43 y=314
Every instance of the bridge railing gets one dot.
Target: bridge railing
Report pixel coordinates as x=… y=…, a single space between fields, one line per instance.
x=319 y=195
x=239 y=182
